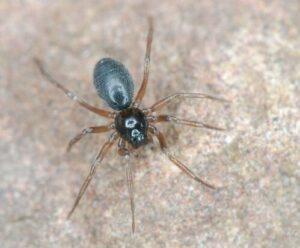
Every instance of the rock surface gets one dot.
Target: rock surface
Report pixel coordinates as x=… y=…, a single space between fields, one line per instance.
x=245 y=51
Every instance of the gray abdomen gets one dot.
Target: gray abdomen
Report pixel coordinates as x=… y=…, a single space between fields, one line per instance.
x=113 y=83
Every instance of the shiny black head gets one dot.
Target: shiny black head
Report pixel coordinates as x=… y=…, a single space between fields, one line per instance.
x=113 y=83
x=132 y=126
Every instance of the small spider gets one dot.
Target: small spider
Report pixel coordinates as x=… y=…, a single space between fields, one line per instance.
x=131 y=125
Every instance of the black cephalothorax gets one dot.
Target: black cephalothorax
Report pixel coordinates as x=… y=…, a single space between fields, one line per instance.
x=132 y=125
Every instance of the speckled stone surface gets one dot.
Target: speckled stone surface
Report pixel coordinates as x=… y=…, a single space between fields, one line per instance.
x=245 y=51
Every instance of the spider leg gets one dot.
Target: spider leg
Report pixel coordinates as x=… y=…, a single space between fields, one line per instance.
x=163 y=102
x=123 y=151
x=150 y=139
x=142 y=89
x=180 y=165
x=88 y=130
x=70 y=94
x=173 y=119
x=103 y=151
x=130 y=186
x=121 y=148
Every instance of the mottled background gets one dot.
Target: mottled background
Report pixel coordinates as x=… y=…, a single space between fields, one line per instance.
x=245 y=51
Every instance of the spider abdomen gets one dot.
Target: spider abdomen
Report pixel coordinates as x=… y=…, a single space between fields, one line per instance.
x=132 y=126
x=113 y=83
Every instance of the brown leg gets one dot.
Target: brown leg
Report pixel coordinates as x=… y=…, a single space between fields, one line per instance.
x=70 y=94
x=158 y=105
x=142 y=89
x=130 y=186
x=123 y=151
x=173 y=119
x=88 y=130
x=150 y=139
x=184 y=168
x=103 y=151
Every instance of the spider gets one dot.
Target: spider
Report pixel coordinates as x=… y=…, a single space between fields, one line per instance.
x=131 y=126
